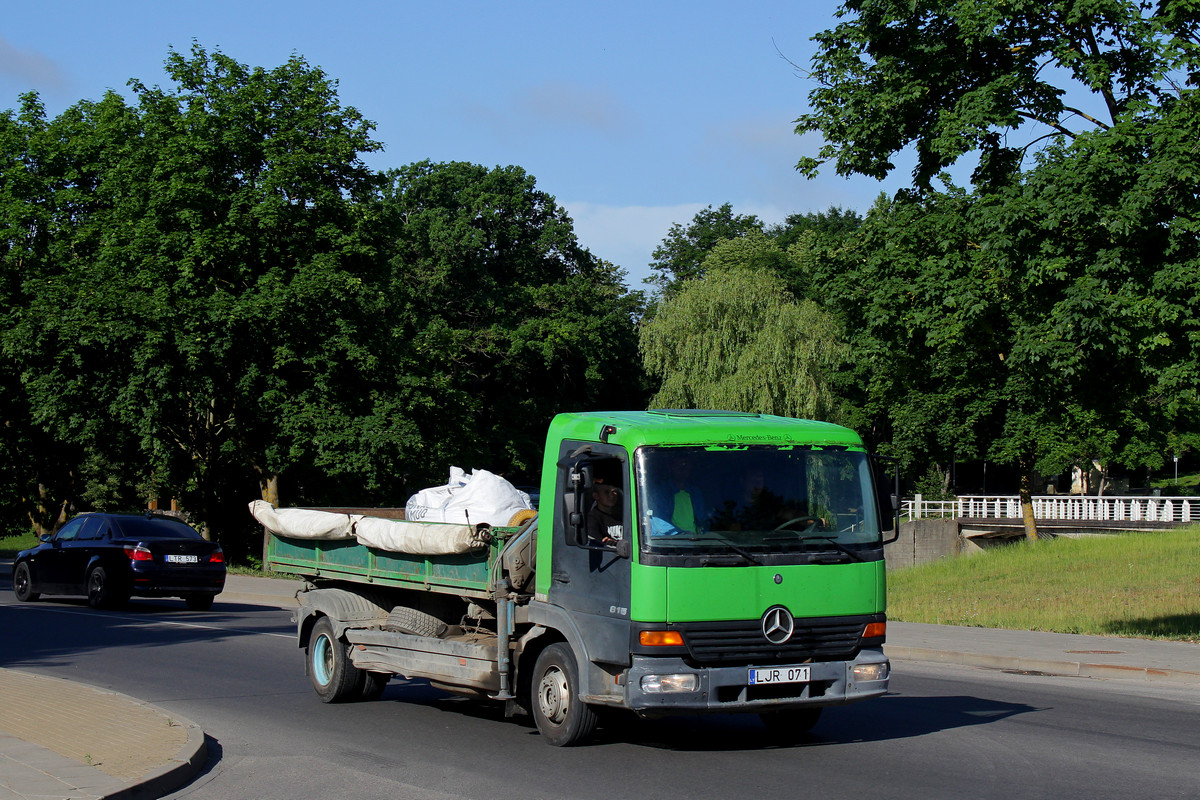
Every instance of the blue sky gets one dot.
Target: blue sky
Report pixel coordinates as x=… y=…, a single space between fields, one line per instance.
x=633 y=115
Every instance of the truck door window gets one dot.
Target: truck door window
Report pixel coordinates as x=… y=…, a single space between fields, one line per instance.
x=596 y=502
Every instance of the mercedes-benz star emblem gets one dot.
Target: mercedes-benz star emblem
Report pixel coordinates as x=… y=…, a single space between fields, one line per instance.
x=777 y=625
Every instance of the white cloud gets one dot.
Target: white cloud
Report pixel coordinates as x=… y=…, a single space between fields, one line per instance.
x=547 y=111
x=573 y=105
x=33 y=69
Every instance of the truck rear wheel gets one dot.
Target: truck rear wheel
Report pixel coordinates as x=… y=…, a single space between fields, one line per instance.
x=333 y=676
x=372 y=684
x=561 y=716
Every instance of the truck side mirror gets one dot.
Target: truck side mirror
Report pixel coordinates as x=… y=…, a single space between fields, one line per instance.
x=887 y=506
x=624 y=549
x=580 y=478
x=885 y=500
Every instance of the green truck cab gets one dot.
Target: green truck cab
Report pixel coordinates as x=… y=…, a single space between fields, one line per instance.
x=680 y=562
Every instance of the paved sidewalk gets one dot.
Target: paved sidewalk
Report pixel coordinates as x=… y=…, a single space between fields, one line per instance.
x=61 y=739
x=64 y=740
x=1067 y=654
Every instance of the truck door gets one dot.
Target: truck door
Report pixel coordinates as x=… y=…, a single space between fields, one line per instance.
x=590 y=557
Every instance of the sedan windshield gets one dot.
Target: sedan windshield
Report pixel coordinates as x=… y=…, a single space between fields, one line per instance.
x=755 y=500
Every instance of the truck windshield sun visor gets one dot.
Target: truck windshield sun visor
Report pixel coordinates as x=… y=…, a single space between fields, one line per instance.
x=813 y=504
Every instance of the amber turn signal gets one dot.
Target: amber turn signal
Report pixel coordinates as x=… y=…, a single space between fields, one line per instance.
x=661 y=638
x=874 y=630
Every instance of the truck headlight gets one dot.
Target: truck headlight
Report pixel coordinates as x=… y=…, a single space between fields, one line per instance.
x=662 y=684
x=870 y=672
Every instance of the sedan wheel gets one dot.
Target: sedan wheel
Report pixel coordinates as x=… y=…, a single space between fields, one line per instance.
x=100 y=591
x=23 y=584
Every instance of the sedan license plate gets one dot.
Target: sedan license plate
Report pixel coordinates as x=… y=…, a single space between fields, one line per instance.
x=793 y=674
x=175 y=559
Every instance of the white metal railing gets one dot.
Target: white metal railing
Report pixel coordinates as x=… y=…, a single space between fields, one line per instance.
x=1064 y=507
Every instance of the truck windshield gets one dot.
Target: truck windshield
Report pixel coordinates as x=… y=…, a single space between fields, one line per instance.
x=755 y=500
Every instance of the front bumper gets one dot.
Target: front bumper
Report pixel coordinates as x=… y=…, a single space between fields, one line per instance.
x=727 y=689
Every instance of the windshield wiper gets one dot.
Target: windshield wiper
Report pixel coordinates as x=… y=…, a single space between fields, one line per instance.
x=741 y=552
x=837 y=545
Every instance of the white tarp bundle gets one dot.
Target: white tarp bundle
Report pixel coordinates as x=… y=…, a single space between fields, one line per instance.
x=301 y=523
x=399 y=536
x=418 y=538
x=468 y=499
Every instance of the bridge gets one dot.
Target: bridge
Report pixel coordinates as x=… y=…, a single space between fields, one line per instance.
x=1058 y=507
x=935 y=529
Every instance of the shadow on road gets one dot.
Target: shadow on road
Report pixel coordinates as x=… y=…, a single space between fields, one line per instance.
x=55 y=630
x=889 y=718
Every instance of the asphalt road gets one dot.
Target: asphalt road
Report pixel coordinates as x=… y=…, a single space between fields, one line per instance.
x=943 y=732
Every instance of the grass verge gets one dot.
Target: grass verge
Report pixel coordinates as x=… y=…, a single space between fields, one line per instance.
x=256 y=572
x=1144 y=585
x=11 y=545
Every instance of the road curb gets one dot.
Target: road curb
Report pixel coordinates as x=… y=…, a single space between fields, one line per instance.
x=248 y=598
x=176 y=773
x=1068 y=669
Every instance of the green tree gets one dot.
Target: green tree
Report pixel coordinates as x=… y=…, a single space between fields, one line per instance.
x=205 y=298
x=49 y=195
x=1060 y=319
x=681 y=255
x=211 y=297
x=508 y=317
x=988 y=78
x=835 y=224
x=926 y=332
x=738 y=340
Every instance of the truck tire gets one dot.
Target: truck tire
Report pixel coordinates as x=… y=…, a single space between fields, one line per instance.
x=371 y=685
x=562 y=718
x=333 y=676
x=787 y=725
x=415 y=623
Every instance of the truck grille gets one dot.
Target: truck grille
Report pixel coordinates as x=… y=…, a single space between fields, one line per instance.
x=742 y=642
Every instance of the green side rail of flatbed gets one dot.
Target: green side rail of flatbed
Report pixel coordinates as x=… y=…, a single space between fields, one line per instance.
x=465 y=575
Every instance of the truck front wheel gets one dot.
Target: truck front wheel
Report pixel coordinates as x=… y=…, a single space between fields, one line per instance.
x=561 y=716
x=329 y=667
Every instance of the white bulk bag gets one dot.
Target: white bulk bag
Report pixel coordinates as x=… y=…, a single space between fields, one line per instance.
x=468 y=499
x=303 y=523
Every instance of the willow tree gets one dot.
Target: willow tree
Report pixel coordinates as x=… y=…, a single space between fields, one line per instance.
x=738 y=340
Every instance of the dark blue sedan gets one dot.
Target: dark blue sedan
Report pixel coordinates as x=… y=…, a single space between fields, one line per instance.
x=110 y=557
